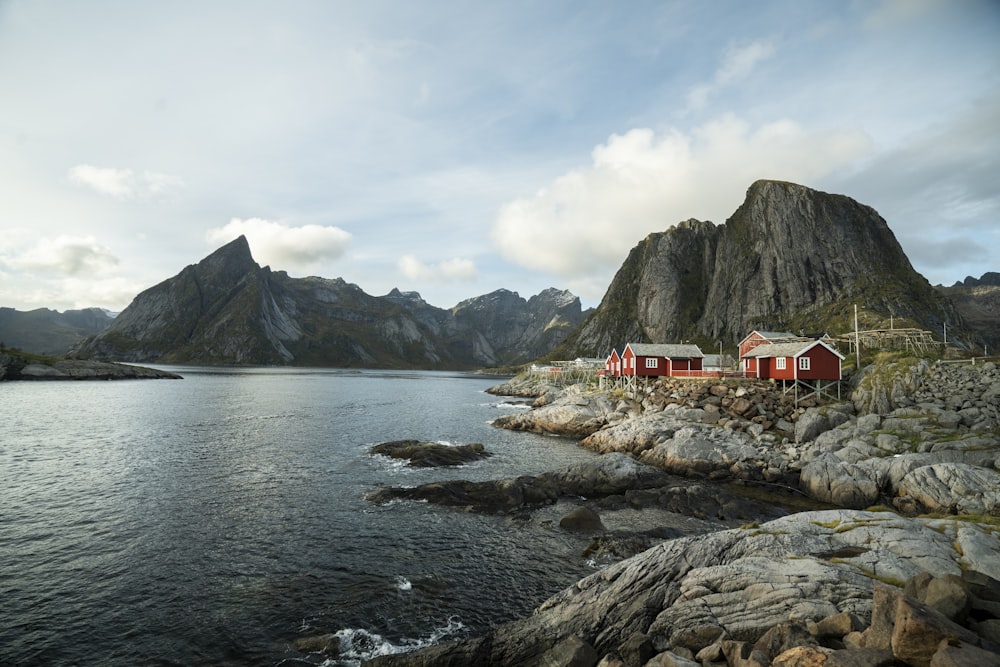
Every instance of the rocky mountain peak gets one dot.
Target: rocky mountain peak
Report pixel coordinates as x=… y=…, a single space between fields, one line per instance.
x=789 y=258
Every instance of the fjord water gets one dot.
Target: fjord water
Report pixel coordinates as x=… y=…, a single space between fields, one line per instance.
x=215 y=519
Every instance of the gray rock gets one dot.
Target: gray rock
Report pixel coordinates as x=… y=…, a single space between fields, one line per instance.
x=689 y=592
x=582 y=520
x=430 y=454
x=953 y=487
x=829 y=479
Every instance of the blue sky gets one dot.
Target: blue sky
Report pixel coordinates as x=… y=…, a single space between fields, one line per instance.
x=455 y=148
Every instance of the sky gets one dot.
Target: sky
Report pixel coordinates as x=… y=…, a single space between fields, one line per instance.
x=454 y=148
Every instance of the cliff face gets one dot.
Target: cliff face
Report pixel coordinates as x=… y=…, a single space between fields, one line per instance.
x=789 y=258
x=228 y=310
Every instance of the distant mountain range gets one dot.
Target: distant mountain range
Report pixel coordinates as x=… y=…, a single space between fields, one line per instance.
x=789 y=258
x=227 y=309
x=45 y=331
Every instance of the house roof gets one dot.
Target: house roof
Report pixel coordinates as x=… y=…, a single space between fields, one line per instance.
x=670 y=351
x=795 y=349
x=770 y=335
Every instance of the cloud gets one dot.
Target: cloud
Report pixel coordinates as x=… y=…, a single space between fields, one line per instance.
x=737 y=63
x=65 y=255
x=452 y=270
x=123 y=183
x=282 y=246
x=582 y=226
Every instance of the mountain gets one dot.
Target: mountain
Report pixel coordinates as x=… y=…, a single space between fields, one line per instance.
x=789 y=259
x=977 y=300
x=44 y=331
x=227 y=309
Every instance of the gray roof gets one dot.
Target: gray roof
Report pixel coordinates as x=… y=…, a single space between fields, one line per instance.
x=670 y=351
x=787 y=349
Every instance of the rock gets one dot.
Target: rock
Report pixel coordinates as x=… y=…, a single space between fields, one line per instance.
x=670 y=659
x=430 y=454
x=838 y=625
x=783 y=637
x=15 y=367
x=953 y=487
x=829 y=479
x=605 y=475
x=689 y=592
x=948 y=595
x=637 y=649
x=959 y=654
x=803 y=656
x=570 y=652
x=328 y=644
x=582 y=520
x=918 y=630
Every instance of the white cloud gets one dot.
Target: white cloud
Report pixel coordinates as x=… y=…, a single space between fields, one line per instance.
x=65 y=255
x=452 y=270
x=123 y=183
x=105 y=180
x=737 y=63
x=582 y=226
x=282 y=246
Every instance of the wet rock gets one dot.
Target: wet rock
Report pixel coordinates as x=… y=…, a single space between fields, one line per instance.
x=582 y=520
x=602 y=476
x=431 y=454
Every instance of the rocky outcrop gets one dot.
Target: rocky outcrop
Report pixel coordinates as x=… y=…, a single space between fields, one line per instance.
x=17 y=367
x=422 y=454
x=789 y=258
x=809 y=583
x=607 y=475
x=226 y=309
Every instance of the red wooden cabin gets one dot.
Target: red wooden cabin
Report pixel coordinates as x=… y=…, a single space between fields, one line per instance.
x=613 y=364
x=803 y=360
x=654 y=360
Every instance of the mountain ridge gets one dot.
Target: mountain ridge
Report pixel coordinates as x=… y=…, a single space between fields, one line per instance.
x=789 y=258
x=227 y=309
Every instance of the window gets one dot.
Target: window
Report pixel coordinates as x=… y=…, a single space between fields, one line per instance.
x=651 y=362
x=779 y=363
x=803 y=363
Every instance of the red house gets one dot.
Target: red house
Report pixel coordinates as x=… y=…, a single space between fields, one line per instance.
x=613 y=364
x=652 y=360
x=756 y=338
x=803 y=360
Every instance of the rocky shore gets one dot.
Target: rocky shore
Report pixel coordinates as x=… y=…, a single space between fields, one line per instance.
x=914 y=579
x=14 y=366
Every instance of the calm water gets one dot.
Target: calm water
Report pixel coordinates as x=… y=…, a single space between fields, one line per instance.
x=215 y=519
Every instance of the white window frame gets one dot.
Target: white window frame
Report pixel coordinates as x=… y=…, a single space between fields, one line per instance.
x=779 y=363
x=804 y=363
x=652 y=362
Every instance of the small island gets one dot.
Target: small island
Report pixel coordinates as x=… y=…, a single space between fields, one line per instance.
x=18 y=365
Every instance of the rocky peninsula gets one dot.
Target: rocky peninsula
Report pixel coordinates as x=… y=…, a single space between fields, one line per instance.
x=901 y=568
x=15 y=366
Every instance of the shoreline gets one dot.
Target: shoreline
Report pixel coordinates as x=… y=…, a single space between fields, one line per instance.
x=878 y=447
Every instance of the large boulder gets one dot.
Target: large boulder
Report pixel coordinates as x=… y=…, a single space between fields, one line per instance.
x=830 y=479
x=953 y=487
